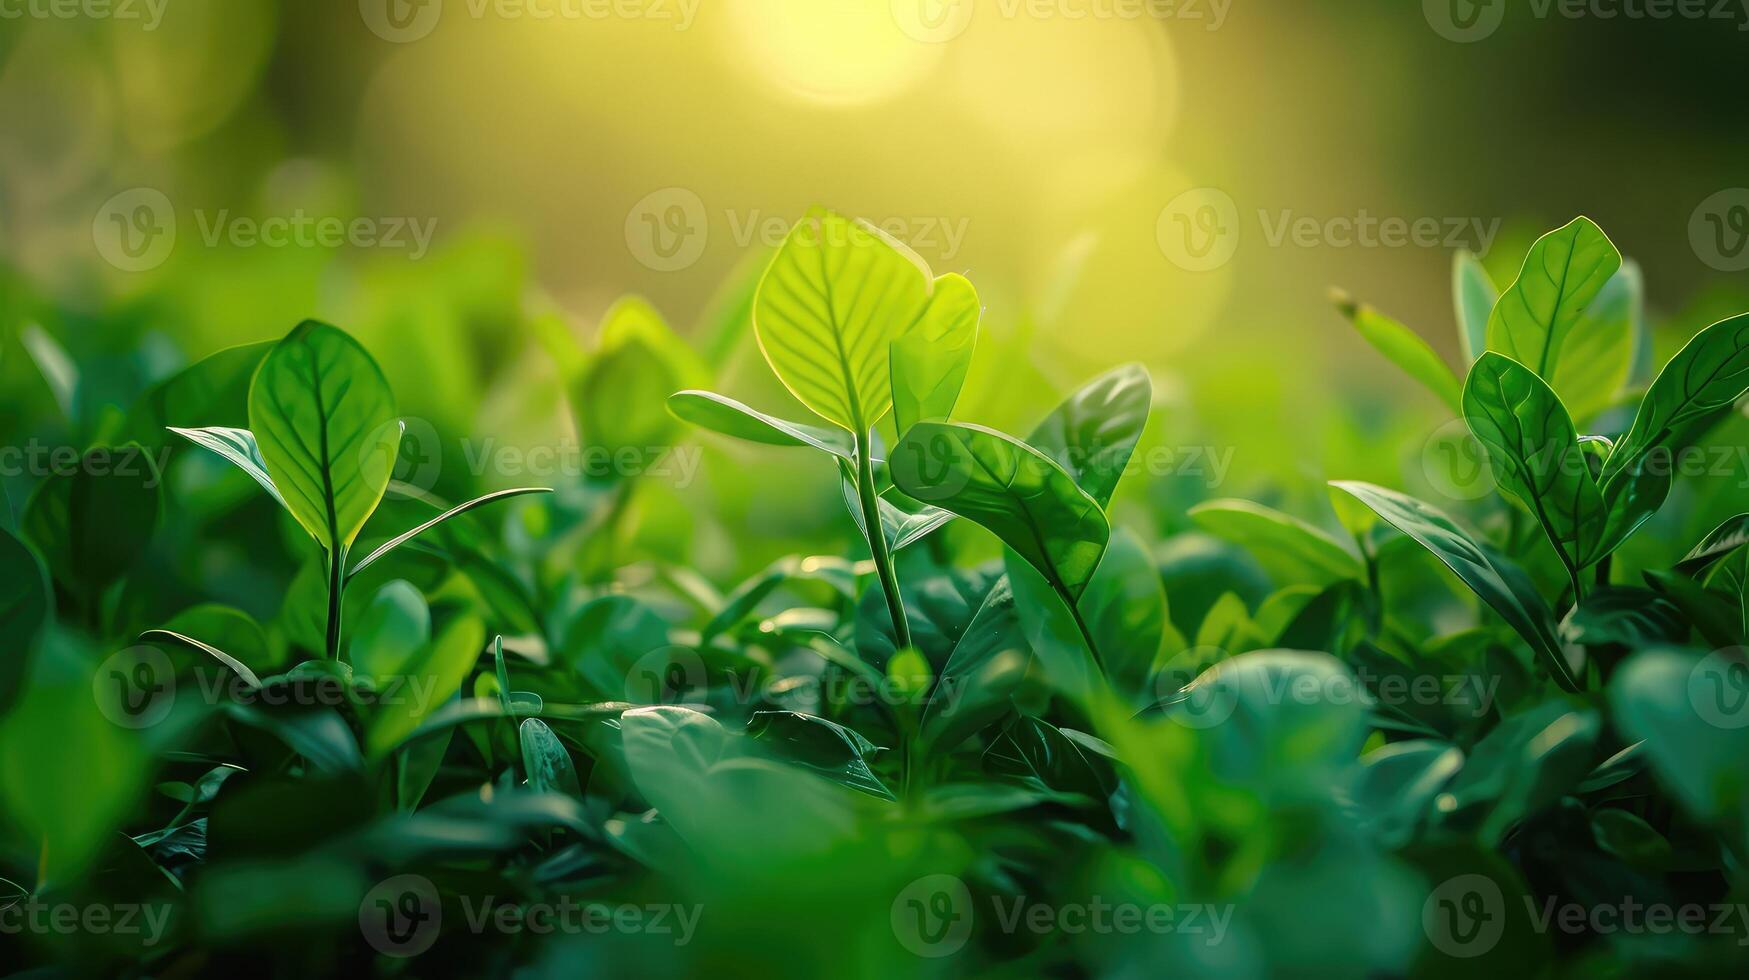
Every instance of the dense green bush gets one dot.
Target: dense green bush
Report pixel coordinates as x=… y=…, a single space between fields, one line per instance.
x=1005 y=733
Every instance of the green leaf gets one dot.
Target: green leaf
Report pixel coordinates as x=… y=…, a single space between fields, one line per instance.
x=1290 y=549
x=828 y=309
x=1043 y=757
x=639 y=360
x=1125 y=610
x=1594 y=366
x=610 y=638
x=1714 y=615
x=1526 y=763
x=1053 y=631
x=1402 y=347
x=93 y=523
x=986 y=666
x=938 y=607
x=1630 y=617
x=429 y=680
x=1719 y=542
x=828 y=748
x=1700 y=383
x=447 y=515
x=1535 y=453
x=1012 y=490
x=931 y=359
x=1474 y=295
x=213 y=391
x=1094 y=431
x=1692 y=713
x=25 y=607
x=394 y=628
x=325 y=421
x=544 y=758
x=1563 y=273
x=720 y=413
x=1398 y=784
x=238 y=446
x=1499 y=583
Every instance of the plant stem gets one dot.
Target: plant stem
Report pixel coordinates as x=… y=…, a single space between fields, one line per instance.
x=1086 y=634
x=336 y=592
x=877 y=540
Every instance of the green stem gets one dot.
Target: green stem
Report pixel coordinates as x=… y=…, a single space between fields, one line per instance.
x=877 y=540
x=336 y=593
x=1086 y=634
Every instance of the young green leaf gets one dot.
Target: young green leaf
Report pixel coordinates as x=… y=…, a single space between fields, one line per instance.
x=1535 y=453
x=1474 y=295
x=639 y=360
x=930 y=360
x=1402 y=347
x=1289 y=548
x=447 y=515
x=1563 y=273
x=324 y=419
x=544 y=758
x=1702 y=381
x=1094 y=431
x=827 y=312
x=239 y=447
x=1013 y=490
x=1595 y=363
x=720 y=413
x=1499 y=583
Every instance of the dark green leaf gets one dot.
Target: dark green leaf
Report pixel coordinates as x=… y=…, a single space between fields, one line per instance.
x=1094 y=431
x=830 y=749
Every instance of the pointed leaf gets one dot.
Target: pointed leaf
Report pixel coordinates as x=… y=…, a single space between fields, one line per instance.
x=238 y=446
x=931 y=359
x=720 y=413
x=1094 y=431
x=325 y=421
x=1403 y=347
x=1563 y=273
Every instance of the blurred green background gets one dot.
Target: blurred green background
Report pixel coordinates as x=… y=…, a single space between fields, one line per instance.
x=562 y=153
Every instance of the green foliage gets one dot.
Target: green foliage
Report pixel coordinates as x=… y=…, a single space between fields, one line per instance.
x=1005 y=692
